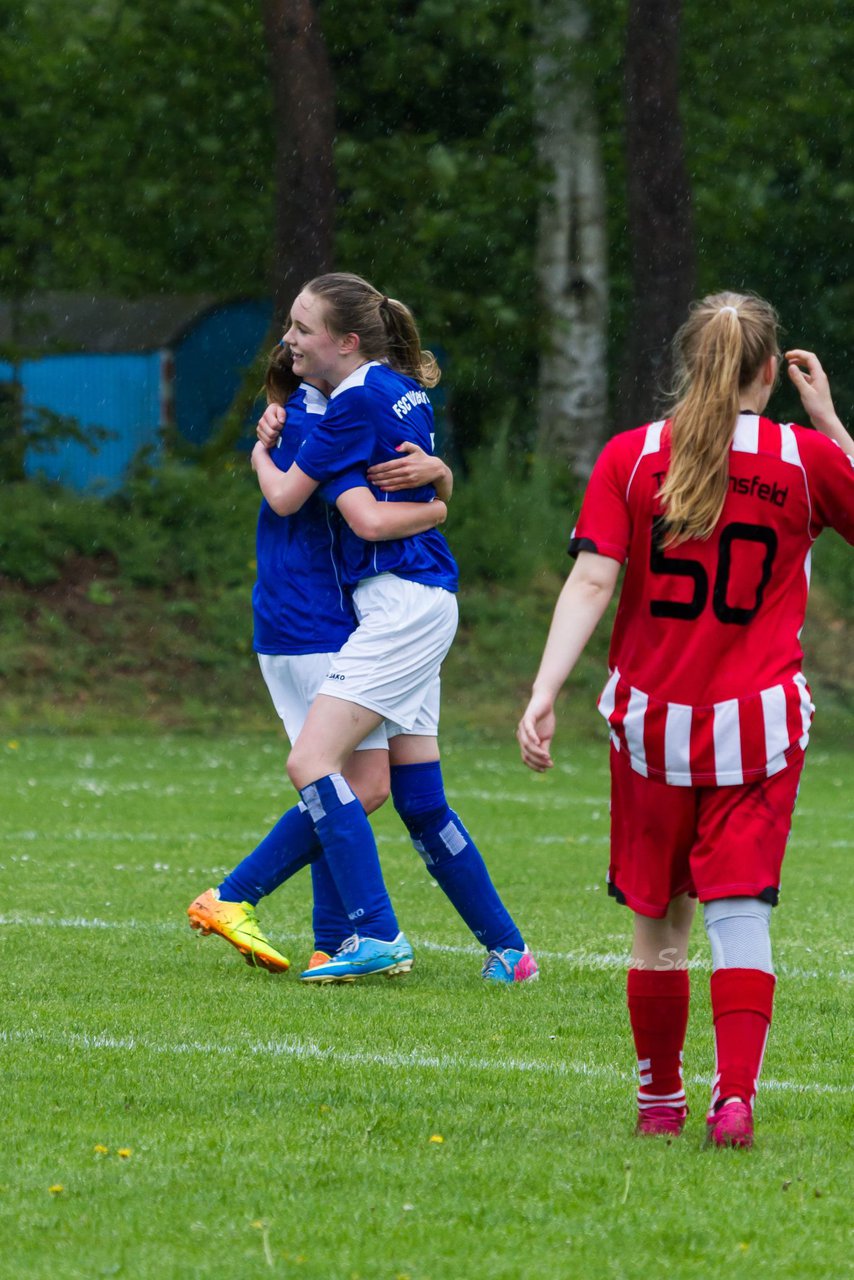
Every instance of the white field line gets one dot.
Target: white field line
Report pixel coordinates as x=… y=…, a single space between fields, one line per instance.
x=579 y=959
x=415 y=1059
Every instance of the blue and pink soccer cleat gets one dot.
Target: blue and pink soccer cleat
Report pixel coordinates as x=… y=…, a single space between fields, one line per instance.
x=506 y=964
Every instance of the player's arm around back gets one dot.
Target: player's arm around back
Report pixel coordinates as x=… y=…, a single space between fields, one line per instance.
x=414 y=469
x=285 y=491
x=270 y=425
x=380 y=521
x=580 y=606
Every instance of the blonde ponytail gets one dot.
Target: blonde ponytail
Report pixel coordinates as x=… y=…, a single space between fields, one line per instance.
x=718 y=352
x=404 y=344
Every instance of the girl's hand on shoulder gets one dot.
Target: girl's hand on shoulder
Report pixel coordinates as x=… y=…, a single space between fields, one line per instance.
x=535 y=732
x=270 y=425
x=414 y=469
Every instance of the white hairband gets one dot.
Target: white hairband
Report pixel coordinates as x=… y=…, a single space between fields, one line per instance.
x=732 y=309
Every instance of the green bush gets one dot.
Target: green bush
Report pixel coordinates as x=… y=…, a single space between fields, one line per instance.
x=181 y=522
x=510 y=518
x=173 y=523
x=41 y=526
x=834 y=570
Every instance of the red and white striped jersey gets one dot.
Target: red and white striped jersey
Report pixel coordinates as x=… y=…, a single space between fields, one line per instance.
x=706 y=685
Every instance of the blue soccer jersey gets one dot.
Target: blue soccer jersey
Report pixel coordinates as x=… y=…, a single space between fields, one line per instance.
x=299 y=602
x=370 y=413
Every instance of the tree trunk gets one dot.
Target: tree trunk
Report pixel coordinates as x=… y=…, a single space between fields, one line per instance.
x=304 y=115
x=661 y=227
x=13 y=439
x=14 y=425
x=304 y=122
x=572 y=246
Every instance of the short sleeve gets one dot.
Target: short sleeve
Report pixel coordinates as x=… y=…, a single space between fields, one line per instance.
x=604 y=523
x=830 y=475
x=340 y=444
x=332 y=489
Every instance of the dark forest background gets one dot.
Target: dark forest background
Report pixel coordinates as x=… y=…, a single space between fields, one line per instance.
x=235 y=147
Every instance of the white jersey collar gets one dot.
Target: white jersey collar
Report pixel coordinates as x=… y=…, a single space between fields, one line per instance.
x=315 y=400
x=356 y=378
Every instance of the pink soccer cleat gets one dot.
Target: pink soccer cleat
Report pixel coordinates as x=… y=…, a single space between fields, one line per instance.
x=731 y=1125
x=661 y=1121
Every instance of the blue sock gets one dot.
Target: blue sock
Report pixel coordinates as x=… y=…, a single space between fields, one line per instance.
x=351 y=853
x=329 y=919
x=285 y=850
x=451 y=856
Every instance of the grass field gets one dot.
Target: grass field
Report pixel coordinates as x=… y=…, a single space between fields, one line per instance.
x=169 y=1112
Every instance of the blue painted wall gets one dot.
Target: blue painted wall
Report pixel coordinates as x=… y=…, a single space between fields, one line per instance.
x=210 y=361
x=118 y=392
x=122 y=393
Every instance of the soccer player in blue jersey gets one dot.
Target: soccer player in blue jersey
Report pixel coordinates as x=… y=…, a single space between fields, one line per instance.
x=366 y=347
x=302 y=615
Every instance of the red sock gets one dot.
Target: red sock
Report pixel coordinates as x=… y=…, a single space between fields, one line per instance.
x=742 y=1000
x=658 y=1010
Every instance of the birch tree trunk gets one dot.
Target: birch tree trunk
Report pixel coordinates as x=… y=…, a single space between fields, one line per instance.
x=572 y=267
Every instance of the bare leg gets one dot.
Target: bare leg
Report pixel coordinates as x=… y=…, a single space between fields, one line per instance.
x=367 y=774
x=412 y=748
x=332 y=730
x=663 y=944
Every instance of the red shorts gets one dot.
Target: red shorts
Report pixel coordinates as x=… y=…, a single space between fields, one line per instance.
x=711 y=842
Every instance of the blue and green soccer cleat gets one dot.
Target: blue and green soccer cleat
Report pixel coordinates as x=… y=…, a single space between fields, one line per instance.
x=358 y=957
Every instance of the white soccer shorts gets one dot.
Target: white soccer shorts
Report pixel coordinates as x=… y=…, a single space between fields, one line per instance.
x=390 y=664
x=294 y=681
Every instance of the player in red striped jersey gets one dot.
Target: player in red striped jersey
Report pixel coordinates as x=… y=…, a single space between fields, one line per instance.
x=714 y=512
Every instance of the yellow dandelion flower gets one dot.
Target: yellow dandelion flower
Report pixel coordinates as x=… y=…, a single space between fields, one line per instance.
x=125 y=1152
x=13 y=746
x=436 y=1137
x=56 y=1189
x=100 y=1149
